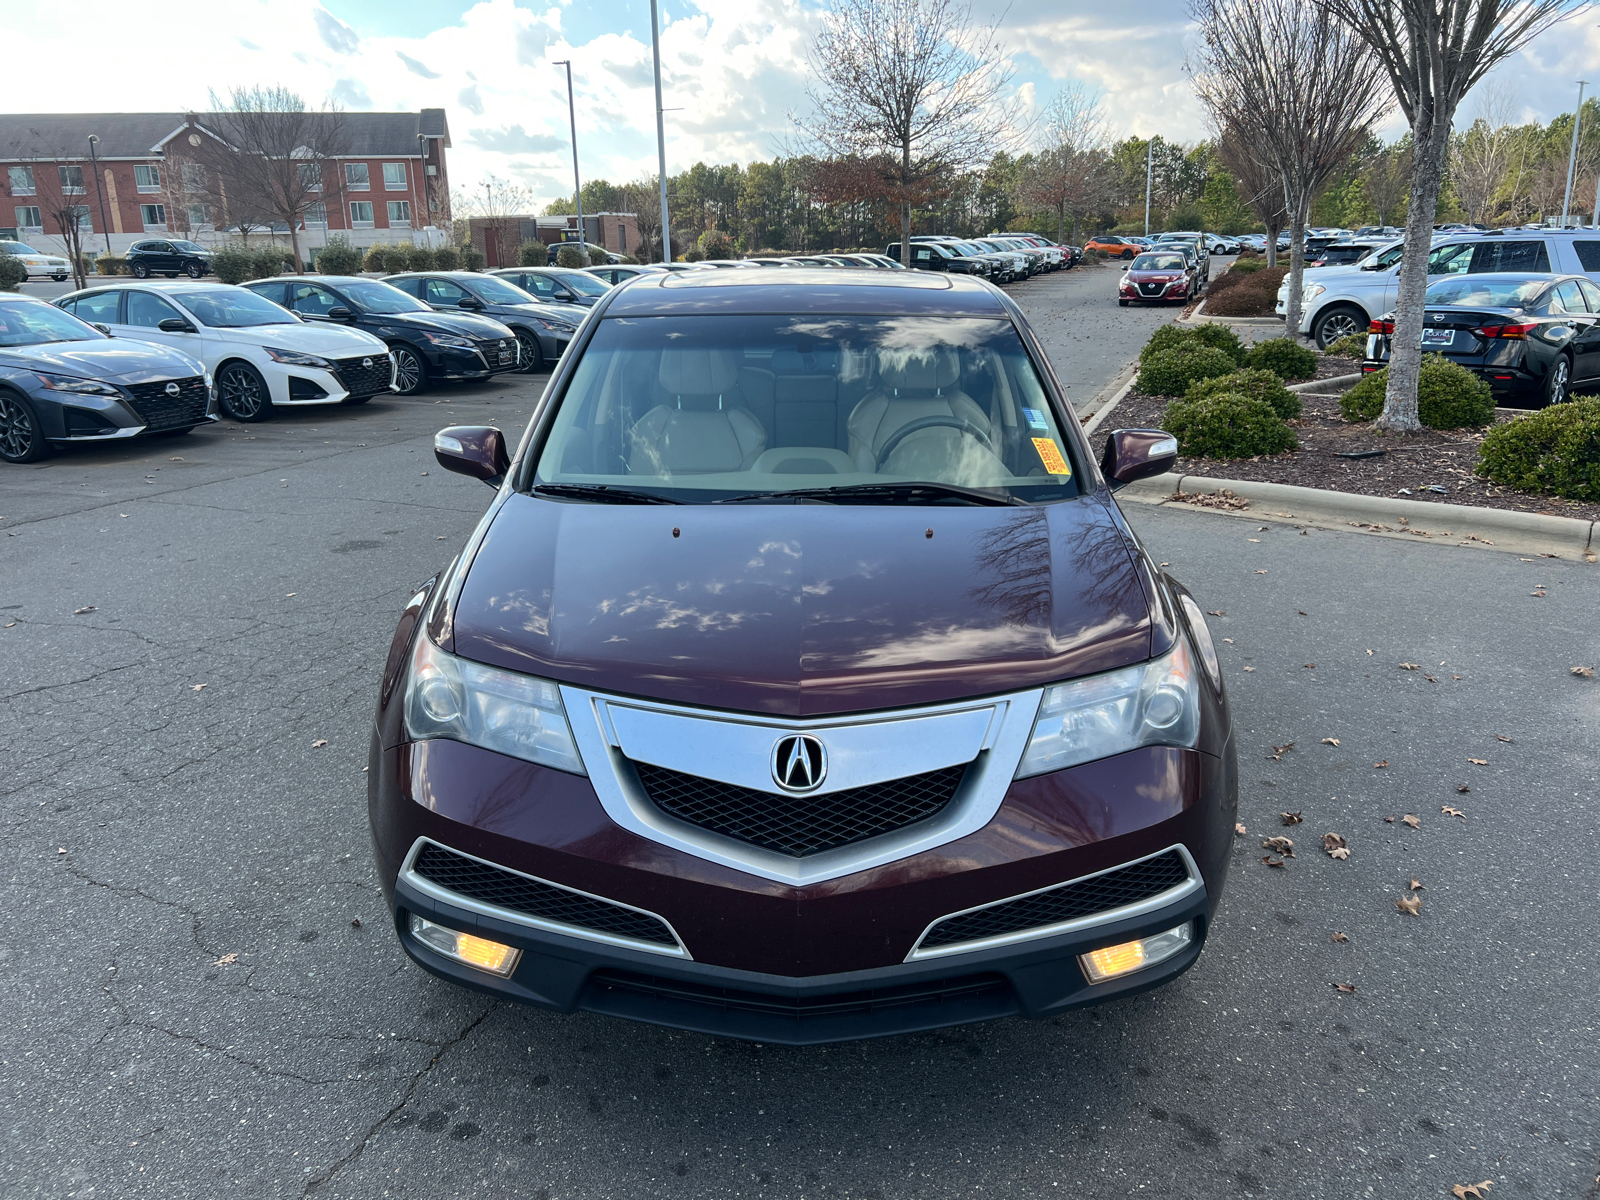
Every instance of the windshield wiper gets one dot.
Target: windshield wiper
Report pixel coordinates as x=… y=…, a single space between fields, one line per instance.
x=600 y=493
x=911 y=492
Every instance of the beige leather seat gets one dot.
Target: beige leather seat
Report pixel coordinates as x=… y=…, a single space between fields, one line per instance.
x=910 y=386
x=705 y=427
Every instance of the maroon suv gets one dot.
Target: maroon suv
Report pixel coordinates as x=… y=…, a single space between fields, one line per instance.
x=803 y=680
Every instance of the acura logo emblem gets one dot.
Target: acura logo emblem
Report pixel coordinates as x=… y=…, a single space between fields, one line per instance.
x=799 y=763
x=172 y=389
x=366 y=362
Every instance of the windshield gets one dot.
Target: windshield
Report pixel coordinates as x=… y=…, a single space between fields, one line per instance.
x=34 y=323
x=189 y=247
x=1477 y=292
x=16 y=248
x=589 y=285
x=497 y=291
x=234 y=308
x=374 y=297
x=703 y=408
x=1158 y=262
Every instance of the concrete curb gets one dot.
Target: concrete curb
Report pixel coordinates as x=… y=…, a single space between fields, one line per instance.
x=1309 y=384
x=1097 y=418
x=1456 y=524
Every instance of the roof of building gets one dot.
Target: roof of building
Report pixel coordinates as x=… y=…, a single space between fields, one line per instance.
x=139 y=135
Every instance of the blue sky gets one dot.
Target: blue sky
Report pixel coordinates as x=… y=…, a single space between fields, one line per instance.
x=734 y=70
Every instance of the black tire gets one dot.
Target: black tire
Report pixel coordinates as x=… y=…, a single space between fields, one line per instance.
x=59 y=278
x=410 y=370
x=1123 y=303
x=22 y=438
x=1337 y=321
x=1558 y=381
x=139 y=270
x=194 y=271
x=1127 y=254
x=532 y=358
x=242 y=393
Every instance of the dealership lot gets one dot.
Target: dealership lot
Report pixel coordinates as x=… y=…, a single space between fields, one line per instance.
x=196 y=1010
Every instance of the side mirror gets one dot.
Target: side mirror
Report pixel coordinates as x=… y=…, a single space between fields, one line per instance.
x=471 y=302
x=174 y=325
x=475 y=450
x=339 y=313
x=1137 y=454
x=105 y=329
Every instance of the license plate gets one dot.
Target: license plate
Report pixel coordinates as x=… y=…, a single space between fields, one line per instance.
x=1438 y=337
x=505 y=357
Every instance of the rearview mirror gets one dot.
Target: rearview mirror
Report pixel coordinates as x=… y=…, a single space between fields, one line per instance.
x=174 y=325
x=339 y=313
x=475 y=450
x=1137 y=454
x=471 y=302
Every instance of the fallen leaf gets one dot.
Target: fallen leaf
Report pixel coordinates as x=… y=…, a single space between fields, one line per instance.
x=1249 y=668
x=1302 y=612
x=1585 y=672
x=1474 y=1191
x=319 y=743
x=1455 y=677
x=1430 y=679
x=1479 y=762
x=1461 y=787
x=1340 y=937
x=1410 y=667
x=1228 y=640
x=1369 y=653
x=1215 y=612
x=1409 y=904
x=1330 y=741
x=1272 y=862
x=1380 y=765
x=78 y=612
x=197 y=687
x=289 y=595
x=1348 y=989
x=1279 y=845
x=1293 y=818
x=1279 y=751
x=1500 y=737
x=61 y=849
x=1341 y=853
x=1309 y=666
x=1260 y=572
x=1252 y=539
x=1411 y=820
x=1453 y=812
x=1238 y=827
x=225 y=960
x=355 y=923
x=1388 y=820
x=1538 y=593
x=1332 y=842
x=1416 y=886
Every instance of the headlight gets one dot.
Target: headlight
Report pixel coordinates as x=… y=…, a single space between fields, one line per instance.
x=1153 y=704
x=1313 y=291
x=555 y=326
x=449 y=339
x=294 y=358
x=503 y=711
x=82 y=387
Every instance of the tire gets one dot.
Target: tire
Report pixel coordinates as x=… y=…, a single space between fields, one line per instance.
x=139 y=270
x=1558 y=382
x=410 y=370
x=22 y=439
x=1127 y=254
x=1337 y=321
x=194 y=271
x=59 y=278
x=242 y=393
x=1123 y=303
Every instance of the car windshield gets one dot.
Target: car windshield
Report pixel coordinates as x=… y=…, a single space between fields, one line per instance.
x=1469 y=291
x=234 y=308
x=35 y=323
x=707 y=408
x=1158 y=262
x=589 y=285
x=17 y=248
x=371 y=296
x=497 y=291
x=189 y=247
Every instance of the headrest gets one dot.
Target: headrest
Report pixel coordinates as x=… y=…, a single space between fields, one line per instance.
x=918 y=370
x=698 y=372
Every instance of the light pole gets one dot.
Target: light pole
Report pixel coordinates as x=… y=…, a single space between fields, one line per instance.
x=577 y=186
x=1572 y=157
x=661 y=138
x=1149 y=163
x=100 y=190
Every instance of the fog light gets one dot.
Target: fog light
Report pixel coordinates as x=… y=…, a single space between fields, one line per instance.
x=1113 y=961
x=464 y=947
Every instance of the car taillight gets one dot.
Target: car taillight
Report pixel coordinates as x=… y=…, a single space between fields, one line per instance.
x=1506 y=331
x=1381 y=327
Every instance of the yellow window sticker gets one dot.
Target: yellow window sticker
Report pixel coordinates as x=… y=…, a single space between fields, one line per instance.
x=1050 y=456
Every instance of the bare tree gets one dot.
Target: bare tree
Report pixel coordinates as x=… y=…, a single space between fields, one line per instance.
x=1259 y=188
x=1479 y=157
x=1434 y=51
x=916 y=85
x=1070 y=174
x=1385 y=179
x=1301 y=90
x=271 y=153
x=644 y=201
x=60 y=185
x=499 y=204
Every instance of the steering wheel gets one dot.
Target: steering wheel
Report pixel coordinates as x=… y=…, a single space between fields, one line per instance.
x=934 y=422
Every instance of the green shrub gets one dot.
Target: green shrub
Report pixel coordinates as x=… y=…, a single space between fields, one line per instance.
x=377 y=259
x=110 y=264
x=1171 y=372
x=533 y=253
x=233 y=263
x=446 y=258
x=1257 y=383
x=1166 y=337
x=471 y=258
x=692 y=254
x=1221 y=337
x=716 y=244
x=1554 y=450
x=270 y=260
x=1227 y=425
x=1284 y=356
x=12 y=273
x=1171 y=336
x=571 y=255
x=1247 y=266
x=1448 y=396
x=339 y=257
x=597 y=257
x=421 y=258
x=1352 y=345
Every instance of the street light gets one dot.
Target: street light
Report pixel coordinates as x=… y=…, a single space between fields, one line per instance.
x=1572 y=157
x=661 y=138
x=1149 y=162
x=572 y=116
x=100 y=191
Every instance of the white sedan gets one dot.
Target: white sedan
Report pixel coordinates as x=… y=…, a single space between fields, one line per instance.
x=38 y=264
x=260 y=355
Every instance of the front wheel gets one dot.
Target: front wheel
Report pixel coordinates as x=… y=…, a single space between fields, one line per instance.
x=242 y=393
x=1127 y=254
x=410 y=372
x=1339 y=321
x=139 y=270
x=59 y=278
x=532 y=361
x=21 y=438
x=1558 y=382
x=194 y=271
x=1123 y=303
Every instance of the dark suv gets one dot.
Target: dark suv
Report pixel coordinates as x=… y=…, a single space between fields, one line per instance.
x=803 y=681
x=169 y=257
x=543 y=331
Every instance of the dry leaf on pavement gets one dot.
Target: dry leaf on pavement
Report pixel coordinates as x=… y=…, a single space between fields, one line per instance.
x=1272 y=862
x=1293 y=818
x=1410 y=904
x=1471 y=1191
x=1335 y=846
x=1388 y=820
x=1238 y=827
x=1279 y=845
x=1479 y=762
x=1411 y=820
x=1347 y=989
x=1249 y=668
x=1309 y=666
x=1453 y=812
x=1416 y=886
x=197 y=687
x=1340 y=937
x=319 y=743
x=1260 y=572
x=1585 y=672
x=1380 y=765
x=1340 y=853
x=1215 y=612
x=1500 y=737
x=78 y=612
x=1330 y=741
x=1279 y=751
x=1461 y=787
x=1410 y=666
x=225 y=960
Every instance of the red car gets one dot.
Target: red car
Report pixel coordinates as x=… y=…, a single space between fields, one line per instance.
x=1156 y=276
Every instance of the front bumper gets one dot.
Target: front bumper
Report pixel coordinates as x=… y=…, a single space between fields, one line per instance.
x=479 y=361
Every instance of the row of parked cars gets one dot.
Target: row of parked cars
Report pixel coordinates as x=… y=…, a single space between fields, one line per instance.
x=1174 y=268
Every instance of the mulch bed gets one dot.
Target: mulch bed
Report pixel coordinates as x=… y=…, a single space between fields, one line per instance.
x=1415 y=461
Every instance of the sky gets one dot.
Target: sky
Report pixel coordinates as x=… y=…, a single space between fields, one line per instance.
x=732 y=70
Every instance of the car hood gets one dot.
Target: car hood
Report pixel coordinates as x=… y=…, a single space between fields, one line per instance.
x=334 y=341
x=1163 y=276
x=804 y=610
x=547 y=312
x=121 y=360
x=463 y=323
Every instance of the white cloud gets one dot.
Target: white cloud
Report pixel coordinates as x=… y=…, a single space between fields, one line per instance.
x=469 y=99
x=415 y=67
x=335 y=34
x=515 y=140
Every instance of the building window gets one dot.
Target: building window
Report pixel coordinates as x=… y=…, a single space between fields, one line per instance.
x=198 y=216
x=394 y=177
x=361 y=213
x=154 y=217
x=358 y=178
x=28 y=217
x=316 y=215
x=71 y=180
x=194 y=177
x=147 y=178
x=22 y=181
x=80 y=214
x=399 y=212
x=311 y=176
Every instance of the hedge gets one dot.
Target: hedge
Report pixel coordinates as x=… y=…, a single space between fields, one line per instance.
x=1448 y=396
x=339 y=257
x=471 y=258
x=1351 y=345
x=1554 y=450
x=234 y=263
x=1227 y=425
x=1171 y=372
x=110 y=264
x=533 y=253
x=12 y=273
x=1260 y=384
x=1283 y=356
x=571 y=255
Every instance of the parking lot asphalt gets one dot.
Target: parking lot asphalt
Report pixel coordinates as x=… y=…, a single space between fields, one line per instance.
x=192 y=1009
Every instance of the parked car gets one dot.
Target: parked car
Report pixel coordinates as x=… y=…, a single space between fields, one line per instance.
x=1194 y=247
x=542 y=331
x=1532 y=338
x=1158 y=277
x=1221 y=245
x=588 y=248
x=1342 y=254
x=556 y=285
x=1116 y=247
x=851 y=260
x=260 y=355
x=883 y=260
x=980 y=261
x=621 y=272
x=39 y=264
x=170 y=257
x=64 y=381
x=1379 y=231
x=1018 y=264
x=739 y=807
x=796 y=260
x=426 y=346
x=930 y=256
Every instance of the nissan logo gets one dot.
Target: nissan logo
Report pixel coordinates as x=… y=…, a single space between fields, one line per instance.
x=799 y=763
x=366 y=362
x=173 y=389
